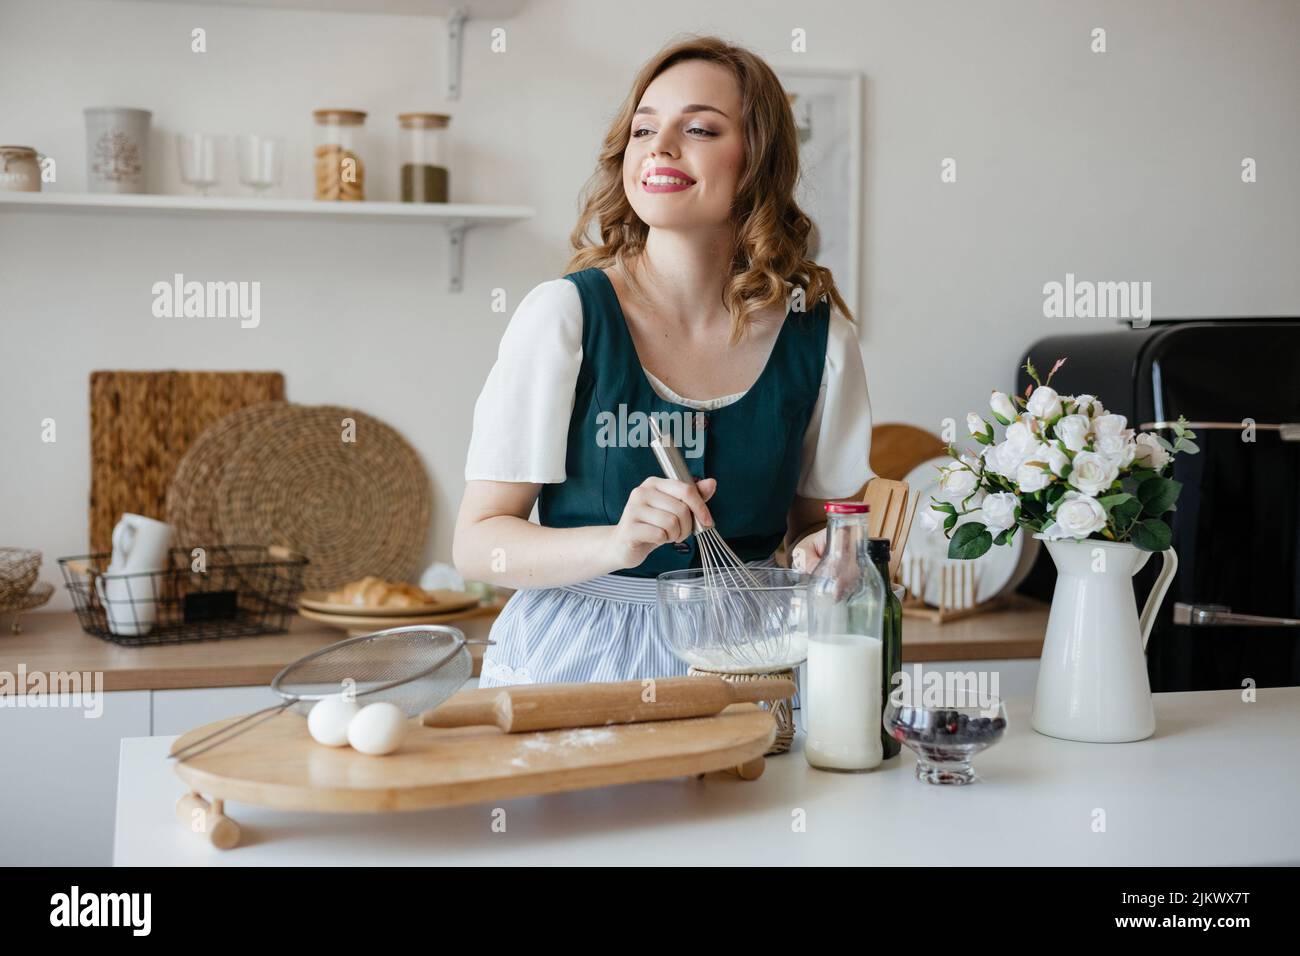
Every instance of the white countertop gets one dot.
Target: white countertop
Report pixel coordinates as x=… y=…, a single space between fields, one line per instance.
x=1214 y=786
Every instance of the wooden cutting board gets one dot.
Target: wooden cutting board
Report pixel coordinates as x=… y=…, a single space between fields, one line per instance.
x=278 y=765
x=141 y=423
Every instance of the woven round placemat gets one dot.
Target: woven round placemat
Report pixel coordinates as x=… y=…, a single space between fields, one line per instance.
x=356 y=500
x=192 y=492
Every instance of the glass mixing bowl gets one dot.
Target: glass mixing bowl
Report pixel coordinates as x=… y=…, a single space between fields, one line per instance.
x=753 y=630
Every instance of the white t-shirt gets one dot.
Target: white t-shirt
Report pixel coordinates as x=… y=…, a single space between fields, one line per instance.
x=521 y=418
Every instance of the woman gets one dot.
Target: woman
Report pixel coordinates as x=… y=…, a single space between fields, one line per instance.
x=682 y=308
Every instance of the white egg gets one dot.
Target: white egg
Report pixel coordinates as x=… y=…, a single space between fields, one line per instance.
x=377 y=729
x=329 y=719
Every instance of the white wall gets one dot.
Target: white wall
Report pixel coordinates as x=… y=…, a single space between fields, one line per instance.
x=1116 y=166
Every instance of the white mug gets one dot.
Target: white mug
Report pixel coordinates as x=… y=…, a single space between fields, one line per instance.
x=128 y=590
x=140 y=544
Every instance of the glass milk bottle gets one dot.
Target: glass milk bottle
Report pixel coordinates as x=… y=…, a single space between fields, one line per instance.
x=846 y=603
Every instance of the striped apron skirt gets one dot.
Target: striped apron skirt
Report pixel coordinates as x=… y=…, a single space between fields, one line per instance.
x=605 y=629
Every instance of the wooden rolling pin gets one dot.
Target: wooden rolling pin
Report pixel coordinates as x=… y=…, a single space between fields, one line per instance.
x=530 y=707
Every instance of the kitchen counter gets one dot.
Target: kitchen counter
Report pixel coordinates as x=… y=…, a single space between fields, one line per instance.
x=1213 y=787
x=54 y=641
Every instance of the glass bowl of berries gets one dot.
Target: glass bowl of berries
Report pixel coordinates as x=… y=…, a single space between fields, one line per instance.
x=946 y=734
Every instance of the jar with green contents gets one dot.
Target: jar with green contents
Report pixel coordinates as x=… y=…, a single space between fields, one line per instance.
x=891 y=656
x=423 y=153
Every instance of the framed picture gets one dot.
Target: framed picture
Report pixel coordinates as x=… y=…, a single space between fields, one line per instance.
x=827 y=108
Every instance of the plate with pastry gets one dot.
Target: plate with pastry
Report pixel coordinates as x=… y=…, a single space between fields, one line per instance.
x=376 y=597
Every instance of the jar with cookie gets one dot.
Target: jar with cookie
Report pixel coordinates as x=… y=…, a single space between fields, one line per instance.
x=340 y=172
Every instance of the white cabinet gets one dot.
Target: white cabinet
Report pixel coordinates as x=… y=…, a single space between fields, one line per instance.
x=58 y=791
x=176 y=711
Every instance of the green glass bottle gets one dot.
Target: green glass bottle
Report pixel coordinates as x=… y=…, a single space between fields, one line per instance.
x=891 y=661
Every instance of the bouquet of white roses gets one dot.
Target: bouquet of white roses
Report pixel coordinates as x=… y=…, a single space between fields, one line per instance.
x=1065 y=468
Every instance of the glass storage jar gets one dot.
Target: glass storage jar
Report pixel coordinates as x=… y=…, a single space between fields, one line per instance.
x=340 y=172
x=423 y=152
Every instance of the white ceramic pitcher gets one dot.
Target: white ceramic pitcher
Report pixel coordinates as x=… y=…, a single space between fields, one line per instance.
x=1092 y=680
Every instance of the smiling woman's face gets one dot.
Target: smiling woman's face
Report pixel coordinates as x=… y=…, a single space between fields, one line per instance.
x=685 y=153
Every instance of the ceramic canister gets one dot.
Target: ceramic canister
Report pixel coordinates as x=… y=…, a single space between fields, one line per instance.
x=20 y=169
x=117 y=149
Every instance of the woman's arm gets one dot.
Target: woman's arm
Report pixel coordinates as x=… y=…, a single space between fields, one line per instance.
x=495 y=542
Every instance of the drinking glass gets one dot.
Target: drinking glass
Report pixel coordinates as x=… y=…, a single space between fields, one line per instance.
x=198 y=157
x=260 y=162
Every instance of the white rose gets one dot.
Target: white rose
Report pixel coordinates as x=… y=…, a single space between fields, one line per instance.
x=977 y=426
x=1085 y=405
x=1108 y=424
x=1055 y=458
x=1073 y=430
x=956 y=481
x=1149 y=453
x=1092 y=473
x=1030 y=478
x=999 y=511
x=1020 y=437
x=1044 y=403
x=1076 y=516
x=932 y=520
x=1118 y=449
x=1002 y=405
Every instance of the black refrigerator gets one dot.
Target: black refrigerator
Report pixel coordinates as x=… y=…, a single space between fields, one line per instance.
x=1232 y=614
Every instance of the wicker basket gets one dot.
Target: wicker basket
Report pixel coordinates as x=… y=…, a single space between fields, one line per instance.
x=236 y=591
x=18 y=570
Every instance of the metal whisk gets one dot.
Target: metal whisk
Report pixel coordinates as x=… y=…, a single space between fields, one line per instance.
x=749 y=612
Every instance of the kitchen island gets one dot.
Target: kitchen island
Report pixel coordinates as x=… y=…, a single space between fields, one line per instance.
x=1213 y=787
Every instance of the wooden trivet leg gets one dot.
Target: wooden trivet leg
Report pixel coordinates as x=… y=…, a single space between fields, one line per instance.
x=221 y=831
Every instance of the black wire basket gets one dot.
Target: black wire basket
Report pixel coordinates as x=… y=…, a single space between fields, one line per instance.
x=206 y=594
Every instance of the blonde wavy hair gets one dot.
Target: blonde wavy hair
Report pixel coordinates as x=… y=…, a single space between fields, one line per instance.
x=769 y=256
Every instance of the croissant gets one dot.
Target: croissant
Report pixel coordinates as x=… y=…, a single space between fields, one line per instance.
x=376 y=592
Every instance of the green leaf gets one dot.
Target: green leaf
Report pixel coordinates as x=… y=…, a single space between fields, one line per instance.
x=1158 y=495
x=1163 y=442
x=1032 y=372
x=970 y=541
x=1004 y=536
x=1002 y=421
x=948 y=522
x=944 y=506
x=1186 y=446
x=1125 y=513
x=1110 y=501
x=985 y=438
x=1150 y=535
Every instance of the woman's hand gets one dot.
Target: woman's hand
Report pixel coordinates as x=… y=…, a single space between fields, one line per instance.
x=658 y=511
x=809 y=551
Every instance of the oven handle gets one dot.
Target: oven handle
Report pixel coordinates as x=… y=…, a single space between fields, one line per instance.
x=1289 y=431
x=1209 y=615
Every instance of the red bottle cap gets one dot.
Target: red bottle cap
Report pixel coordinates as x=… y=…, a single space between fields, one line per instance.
x=847 y=508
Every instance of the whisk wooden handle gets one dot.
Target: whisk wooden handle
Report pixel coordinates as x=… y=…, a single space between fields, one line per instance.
x=535 y=707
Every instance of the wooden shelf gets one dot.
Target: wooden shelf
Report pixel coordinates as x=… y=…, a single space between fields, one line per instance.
x=456 y=218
